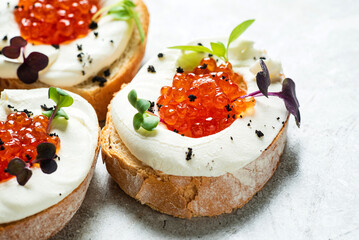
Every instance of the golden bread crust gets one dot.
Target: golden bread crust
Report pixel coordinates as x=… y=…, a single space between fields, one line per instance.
x=122 y=71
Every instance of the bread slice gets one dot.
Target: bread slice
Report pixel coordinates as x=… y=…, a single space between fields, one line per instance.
x=48 y=222
x=183 y=196
x=122 y=71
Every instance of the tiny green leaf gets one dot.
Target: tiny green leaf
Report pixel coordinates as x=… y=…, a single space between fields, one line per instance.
x=65 y=100
x=237 y=31
x=218 y=49
x=120 y=13
x=150 y=122
x=53 y=94
x=137 y=121
x=138 y=24
x=193 y=48
x=47 y=113
x=132 y=97
x=129 y=3
x=142 y=105
x=61 y=113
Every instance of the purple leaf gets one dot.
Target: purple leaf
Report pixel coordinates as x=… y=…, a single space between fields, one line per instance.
x=24 y=176
x=46 y=153
x=11 y=52
x=48 y=166
x=17 y=167
x=263 y=80
x=37 y=61
x=18 y=42
x=290 y=99
x=27 y=74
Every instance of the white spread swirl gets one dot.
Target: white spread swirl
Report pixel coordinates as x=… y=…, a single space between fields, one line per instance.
x=78 y=137
x=64 y=67
x=213 y=155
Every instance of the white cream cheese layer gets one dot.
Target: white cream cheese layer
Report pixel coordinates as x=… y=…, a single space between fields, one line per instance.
x=213 y=155
x=65 y=69
x=78 y=137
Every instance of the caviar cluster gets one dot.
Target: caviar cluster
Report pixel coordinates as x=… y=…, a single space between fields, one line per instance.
x=19 y=137
x=204 y=101
x=54 y=21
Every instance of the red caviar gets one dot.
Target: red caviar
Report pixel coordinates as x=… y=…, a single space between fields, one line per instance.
x=19 y=137
x=204 y=101
x=54 y=21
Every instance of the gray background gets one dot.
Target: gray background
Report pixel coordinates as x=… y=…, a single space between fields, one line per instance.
x=314 y=192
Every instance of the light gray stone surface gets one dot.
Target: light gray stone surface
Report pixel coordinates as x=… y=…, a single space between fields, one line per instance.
x=314 y=192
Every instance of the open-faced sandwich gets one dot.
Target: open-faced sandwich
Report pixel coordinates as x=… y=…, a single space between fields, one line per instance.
x=90 y=47
x=49 y=143
x=199 y=131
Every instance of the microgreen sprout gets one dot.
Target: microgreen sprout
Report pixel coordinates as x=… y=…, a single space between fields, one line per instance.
x=218 y=48
x=143 y=118
x=62 y=99
x=46 y=155
x=28 y=71
x=122 y=10
x=287 y=94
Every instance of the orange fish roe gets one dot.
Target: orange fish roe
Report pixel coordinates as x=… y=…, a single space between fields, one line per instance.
x=204 y=101
x=19 y=137
x=54 y=21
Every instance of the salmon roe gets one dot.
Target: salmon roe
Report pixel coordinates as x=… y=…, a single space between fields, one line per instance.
x=19 y=137
x=204 y=101
x=54 y=21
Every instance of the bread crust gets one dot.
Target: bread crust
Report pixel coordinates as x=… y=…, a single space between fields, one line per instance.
x=122 y=71
x=48 y=222
x=183 y=196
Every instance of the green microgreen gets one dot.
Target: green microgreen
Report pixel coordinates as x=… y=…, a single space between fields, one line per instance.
x=143 y=118
x=62 y=99
x=218 y=48
x=123 y=10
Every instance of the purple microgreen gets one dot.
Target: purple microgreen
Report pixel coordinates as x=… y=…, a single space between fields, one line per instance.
x=19 y=168
x=46 y=154
x=28 y=71
x=263 y=80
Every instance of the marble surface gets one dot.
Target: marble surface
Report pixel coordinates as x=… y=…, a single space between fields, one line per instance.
x=314 y=192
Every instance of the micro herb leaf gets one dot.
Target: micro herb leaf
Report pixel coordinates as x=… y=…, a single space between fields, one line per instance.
x=263 y=80
x=28 y=71
x=132 y=97
x=237 y=31
x=193 y=48
x=142 y=105
x=122 y=10
x=46 y=154
x=137 y=121
x=61 y=114
x=142 y=118
x=18 y=168
x=150 y=122
x=219 y=49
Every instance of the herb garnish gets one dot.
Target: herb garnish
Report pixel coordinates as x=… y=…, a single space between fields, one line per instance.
x=142 y=118
x=28 y=71
x=218 y=48
x=122 y=10
x=62 y=99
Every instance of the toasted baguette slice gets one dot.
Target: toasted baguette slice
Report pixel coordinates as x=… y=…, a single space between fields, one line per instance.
x=122 y=71
x=187 y=197
x=48 y=222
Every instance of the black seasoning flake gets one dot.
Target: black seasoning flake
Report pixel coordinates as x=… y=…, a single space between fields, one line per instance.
x=278 y=118
x=228 y=116
x=83 y=73
x=151 y=69
x=263 y=58
x=107 y=72
x=180 y=70
x=210 y=55
x=254 y=58
x=234 y=116
x=248 y=124
x=101 y=80
x=192 y=97
x=2 y=148
x=96 y=34
x=1 y=142
x=53 y=135
x=111 y=41
x=9 y=106
x=259 y=133
x=160 y=55
x=213 y=75
x=282 y=122
x=223 y=77
x=93 y=25
x=250 y=120
x=28 y=157
x=231 y=138
x=79 y=47
x=60 y=194
x=4 y=38
x=199 y=44
x=240 y=116
x=175 y=130
x=16 y=7
x=159 y=106
x=228 y=108
x=56 y=46
x=204 y=66
x=46 y=108
x=152 y=106
x=189 y=154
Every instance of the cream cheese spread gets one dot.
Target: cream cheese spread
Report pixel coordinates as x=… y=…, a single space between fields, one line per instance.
x=65 y=69
x=214 y=155
x=78 y=136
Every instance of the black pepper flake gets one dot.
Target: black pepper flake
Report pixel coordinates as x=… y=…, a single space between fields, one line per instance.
x=182 y=135
x=151 y=69
x=96 y=34
x=28 y=157
x=259 y=133
x=192 y=97
x=228 y=108
x=152 y=106
x=254 y=58
x=234 y=116
x=4 y=38
x=278 y=118
x=204 y=66
x=79 y=47
x=16 y=7
x=223 y=77
x=213 y=75
x=240 y=116
x=107 y=72
x=189 y=154
x=175 y=130
x=101 y=80
x=1 y=142
x=160 y=55
x=111 y=41
x=210 y=55
x=27 y=112
x=179 y=70
x=199 y=44
x=9 y=106
x=228 y=116
x=93 y=25
x=250 y=120
x=231 y=138
x=60 y=194
x=263 y=58
x=159 y=106
x=56 y=46
x=83 y=73
x=248 y=124
x=2 y=148
x=53 y=135
x=282 y=122
x=46 y=108
x=80 y=56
